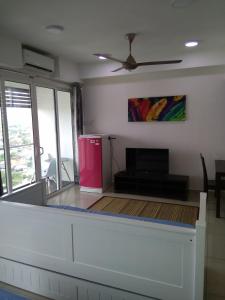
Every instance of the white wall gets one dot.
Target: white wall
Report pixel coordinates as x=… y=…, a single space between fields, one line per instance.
x=67 y=71
x=11 y=56
x=204 y=130
x=10 y=52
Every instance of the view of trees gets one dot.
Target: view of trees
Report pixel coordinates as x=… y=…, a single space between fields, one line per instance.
x=21 y=155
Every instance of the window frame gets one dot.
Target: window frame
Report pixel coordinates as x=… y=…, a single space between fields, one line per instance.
x=33 y=81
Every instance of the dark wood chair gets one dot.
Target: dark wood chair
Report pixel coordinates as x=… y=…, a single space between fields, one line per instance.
x=208 y=184
x=1 y=185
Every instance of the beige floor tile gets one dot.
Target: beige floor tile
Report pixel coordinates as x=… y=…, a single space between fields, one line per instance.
x=216 y=226
x=216 y=277
x=216 y=246
x=73 y=197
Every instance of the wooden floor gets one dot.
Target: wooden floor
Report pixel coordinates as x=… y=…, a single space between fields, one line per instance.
x=149 y=209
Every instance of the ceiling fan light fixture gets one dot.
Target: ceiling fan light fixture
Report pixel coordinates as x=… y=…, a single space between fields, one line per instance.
x=130 y=63
x=191 y=44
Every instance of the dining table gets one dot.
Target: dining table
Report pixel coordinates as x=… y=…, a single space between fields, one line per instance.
x=219 y=174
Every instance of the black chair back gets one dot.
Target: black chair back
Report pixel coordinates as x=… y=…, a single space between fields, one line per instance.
x=205 y=176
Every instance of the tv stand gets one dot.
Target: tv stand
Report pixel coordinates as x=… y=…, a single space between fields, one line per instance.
x=152 y=184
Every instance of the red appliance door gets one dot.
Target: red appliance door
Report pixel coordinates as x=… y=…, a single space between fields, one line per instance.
x=90 y=162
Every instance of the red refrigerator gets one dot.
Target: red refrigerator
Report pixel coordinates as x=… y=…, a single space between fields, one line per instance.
x=94 y=162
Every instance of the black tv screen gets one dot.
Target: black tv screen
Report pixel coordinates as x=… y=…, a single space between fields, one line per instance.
x=147 y=160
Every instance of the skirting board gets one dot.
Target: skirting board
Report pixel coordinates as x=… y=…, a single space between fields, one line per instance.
x=58 y=286
x=91 y=190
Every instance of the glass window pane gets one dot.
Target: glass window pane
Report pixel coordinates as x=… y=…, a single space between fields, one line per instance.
x=47 y=136
x=2 y=157
x=19 y=117
x=65 y=134
x=3 y=171
x=18 y=103
x=22 y=165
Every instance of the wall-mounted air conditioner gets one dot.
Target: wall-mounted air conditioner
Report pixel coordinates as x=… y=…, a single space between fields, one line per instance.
x=38 y=61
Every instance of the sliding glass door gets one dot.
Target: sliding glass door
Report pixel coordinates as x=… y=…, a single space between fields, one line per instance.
x=16 y=136
x=2 y=155
x=20 y=133
x=65 y=138
x=47 y=137
x=36 y=136
x=55 y=135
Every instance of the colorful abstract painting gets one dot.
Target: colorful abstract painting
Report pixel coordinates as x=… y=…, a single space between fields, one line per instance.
x=166 y=108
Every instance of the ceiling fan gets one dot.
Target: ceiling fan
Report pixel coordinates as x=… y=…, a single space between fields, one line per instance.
x=130 y=63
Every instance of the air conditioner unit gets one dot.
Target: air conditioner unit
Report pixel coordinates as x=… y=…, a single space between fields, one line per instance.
x=38 y=61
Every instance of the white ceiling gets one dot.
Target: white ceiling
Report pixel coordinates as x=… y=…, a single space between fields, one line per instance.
x=100 y=25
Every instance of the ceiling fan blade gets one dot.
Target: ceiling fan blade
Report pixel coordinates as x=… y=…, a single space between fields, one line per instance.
x=109 y=57
x=163 y=62
x=118 y=69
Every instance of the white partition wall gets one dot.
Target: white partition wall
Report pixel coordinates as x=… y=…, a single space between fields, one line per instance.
x=200 y=249
x=137 y=259
x=34 y=194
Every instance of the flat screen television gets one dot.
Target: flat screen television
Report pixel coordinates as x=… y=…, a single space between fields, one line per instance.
x=147 y=160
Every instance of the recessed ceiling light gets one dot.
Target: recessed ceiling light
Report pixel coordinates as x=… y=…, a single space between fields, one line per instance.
x=54 y=28
x=102 y=57
x=191 y=44
x=181 y=3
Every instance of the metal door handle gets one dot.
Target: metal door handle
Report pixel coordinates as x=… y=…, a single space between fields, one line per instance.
x=41 y=150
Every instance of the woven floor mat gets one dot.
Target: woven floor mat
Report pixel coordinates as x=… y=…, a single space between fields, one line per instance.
x=149 y=209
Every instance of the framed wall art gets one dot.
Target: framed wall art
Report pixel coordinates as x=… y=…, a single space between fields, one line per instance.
x=165 y=108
